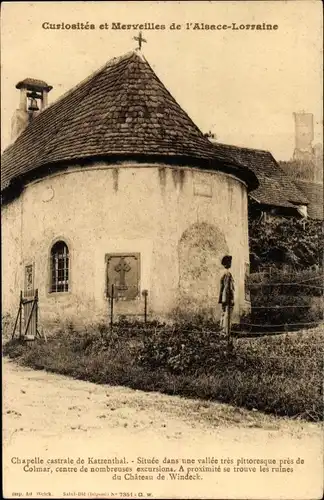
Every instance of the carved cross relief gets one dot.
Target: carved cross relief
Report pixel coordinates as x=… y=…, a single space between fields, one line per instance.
x=123 y=271
x=122 y=268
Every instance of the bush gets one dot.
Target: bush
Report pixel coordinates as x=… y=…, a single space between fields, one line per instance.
x=281 y=375
x=294 y=242
x=181 y=349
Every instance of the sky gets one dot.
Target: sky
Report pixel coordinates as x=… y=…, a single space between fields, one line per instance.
x=242 y=85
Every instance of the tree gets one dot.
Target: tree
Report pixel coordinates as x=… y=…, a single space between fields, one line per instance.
x=296 y=243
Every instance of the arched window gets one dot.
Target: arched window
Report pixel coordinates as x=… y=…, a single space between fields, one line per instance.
x=60 y=267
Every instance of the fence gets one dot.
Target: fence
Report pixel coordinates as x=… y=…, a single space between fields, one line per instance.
x=113 y=298
x=283 y=306
x=269 y=314
x=276 y=307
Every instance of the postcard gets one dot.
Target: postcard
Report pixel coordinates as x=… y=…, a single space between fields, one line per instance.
x=162 y=258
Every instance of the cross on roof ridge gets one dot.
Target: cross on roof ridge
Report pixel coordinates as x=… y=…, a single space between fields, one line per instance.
x=139 y=39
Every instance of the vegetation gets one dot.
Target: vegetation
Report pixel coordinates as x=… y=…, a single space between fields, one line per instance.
x=280 y=375
x=286 y=284
x=285 y=299
x=280 y=242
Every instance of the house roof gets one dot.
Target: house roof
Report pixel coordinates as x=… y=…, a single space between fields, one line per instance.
x=275 y=186
x=314 y=193
x=121 y=111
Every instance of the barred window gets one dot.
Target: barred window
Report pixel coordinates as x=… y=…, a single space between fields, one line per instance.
x=60 y=267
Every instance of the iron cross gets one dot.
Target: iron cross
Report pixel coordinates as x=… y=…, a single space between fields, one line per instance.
x=139 y=39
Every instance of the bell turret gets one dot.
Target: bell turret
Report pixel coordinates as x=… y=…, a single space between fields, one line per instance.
x=33 y=100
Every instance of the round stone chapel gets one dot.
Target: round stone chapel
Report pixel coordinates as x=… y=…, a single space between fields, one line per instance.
x=113 y=189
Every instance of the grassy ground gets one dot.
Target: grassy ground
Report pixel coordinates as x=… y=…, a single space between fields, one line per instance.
x=281 y=375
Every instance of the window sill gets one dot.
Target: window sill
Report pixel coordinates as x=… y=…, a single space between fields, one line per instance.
x=58 y=294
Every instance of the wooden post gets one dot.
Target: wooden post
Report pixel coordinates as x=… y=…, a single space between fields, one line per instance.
x=17 y=318
x=36 y=311
x=29 y=317
x=145 y=294
x=228 y=327
x=112 y=305
x=21 y=310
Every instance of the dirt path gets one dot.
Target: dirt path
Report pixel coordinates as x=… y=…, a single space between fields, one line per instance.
x=48 y=415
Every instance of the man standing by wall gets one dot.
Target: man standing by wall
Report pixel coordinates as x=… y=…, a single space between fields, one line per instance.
x=226 y=296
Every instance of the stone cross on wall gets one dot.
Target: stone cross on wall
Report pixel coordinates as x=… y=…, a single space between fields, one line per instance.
x=123 y=271
x=122 y=268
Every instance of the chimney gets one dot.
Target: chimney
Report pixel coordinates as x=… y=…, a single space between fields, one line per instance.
x=33 y=100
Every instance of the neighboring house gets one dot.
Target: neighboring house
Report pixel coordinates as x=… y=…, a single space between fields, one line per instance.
x=113 y=184
x=277 y=194
x=308 y=177
x=314 y=193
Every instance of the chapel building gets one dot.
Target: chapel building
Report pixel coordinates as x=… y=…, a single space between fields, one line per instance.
x=113 y=184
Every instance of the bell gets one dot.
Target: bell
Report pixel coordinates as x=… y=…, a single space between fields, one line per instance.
x=33 y=106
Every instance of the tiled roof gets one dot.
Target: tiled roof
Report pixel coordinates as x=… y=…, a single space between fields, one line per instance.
x=275 y=188
x=122 y=110
x=314 y=193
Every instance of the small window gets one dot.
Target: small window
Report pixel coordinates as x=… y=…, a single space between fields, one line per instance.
x=60 y=267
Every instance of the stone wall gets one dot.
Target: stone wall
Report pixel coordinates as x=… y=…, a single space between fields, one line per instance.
x=11 y=256
x=180 y=220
